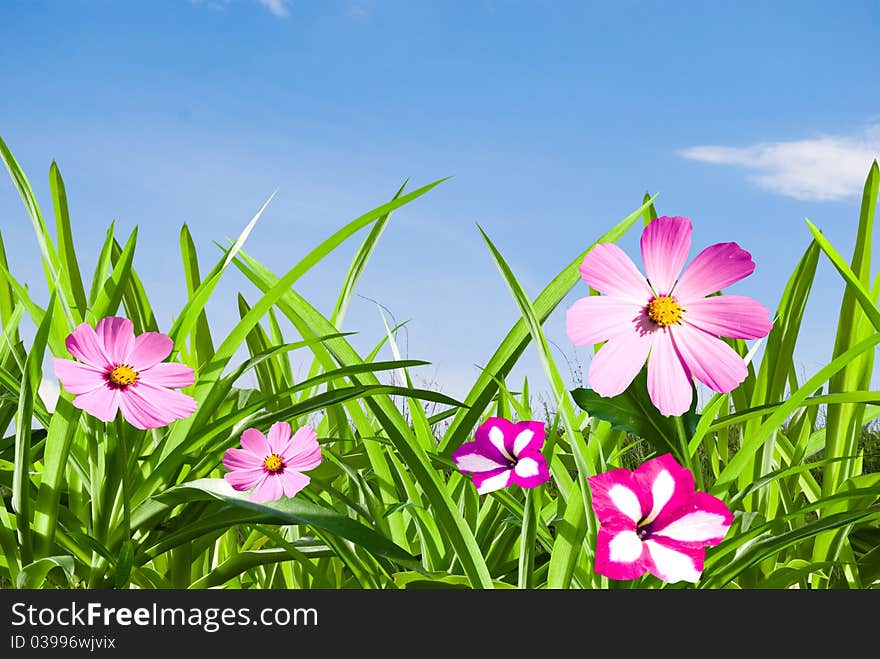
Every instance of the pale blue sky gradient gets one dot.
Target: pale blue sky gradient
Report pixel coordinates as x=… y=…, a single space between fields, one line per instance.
x=553 y=118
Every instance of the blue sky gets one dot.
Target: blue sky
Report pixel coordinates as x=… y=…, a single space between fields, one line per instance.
x=553 y=119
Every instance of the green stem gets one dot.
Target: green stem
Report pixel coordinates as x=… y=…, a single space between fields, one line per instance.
x=122 y=465
x=527 y=541
x=686 y=454
x=96 y=480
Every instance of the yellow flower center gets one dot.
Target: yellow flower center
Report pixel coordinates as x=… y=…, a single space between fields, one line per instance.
x=273 y=464
x=665 y=310
x=123 y=375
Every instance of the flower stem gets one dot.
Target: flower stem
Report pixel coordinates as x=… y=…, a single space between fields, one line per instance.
x=686 y=454
x=122 y=465
x=527 y=541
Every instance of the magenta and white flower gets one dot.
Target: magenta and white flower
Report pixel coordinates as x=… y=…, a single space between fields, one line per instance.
x=652 y=520
x=120 y=371
x=272 y=465
x=504 y=453
x=666 y=320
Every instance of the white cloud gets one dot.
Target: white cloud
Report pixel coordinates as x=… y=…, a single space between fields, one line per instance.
x=277 y=7
x=821 y=169
x=357 y=12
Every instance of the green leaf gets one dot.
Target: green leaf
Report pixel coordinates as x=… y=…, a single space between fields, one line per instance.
x=34 y=575
x=296 y=510
x=70 y=273
x=768 y=546
x=109 y=295
x=59 y=438
x=124 y=562
x=633 y=412
x=793 y=572
x=21 y=480
x=438 y=581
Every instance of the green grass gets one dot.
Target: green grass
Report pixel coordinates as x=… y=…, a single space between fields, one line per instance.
x=94 y=505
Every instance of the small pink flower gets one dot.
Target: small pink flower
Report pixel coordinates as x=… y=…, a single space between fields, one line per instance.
x=651 y=519
x=666 y=319
x=503 y=454
x=272 y=464
x=121 y=371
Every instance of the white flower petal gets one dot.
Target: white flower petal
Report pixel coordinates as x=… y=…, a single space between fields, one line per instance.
x=526 y=467
x=522 y=441
x=496 y=436
x=476 y=462
x=626 y=502
x=698 y=526
x=672 y=565
x=625 y=547
x=494 y=483
x=662 y=490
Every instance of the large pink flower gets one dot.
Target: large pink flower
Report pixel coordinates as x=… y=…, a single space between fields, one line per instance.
x=504 y=453
x=120 y=371
x=651 y=519
x=272 y=465
x=666 y=319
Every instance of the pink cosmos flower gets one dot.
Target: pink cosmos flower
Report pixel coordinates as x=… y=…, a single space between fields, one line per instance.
x=651 y=519
x=666 y=319
x=504 y=453
x=120 y=371
x=273 y=465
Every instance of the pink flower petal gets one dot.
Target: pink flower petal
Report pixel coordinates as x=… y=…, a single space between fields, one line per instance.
x=279 y=436
x=619 y=361
x=303 y=452
x=713 y=269
x=669 y=384
x=168 y=374
x=665 y=243
x=620 y=554
x=669 y=487
x=102 y=402
x=253 y=441
x=244 y=479
x=292 y=482
x=117 y=336
x=609 y=270
x=146 y=406
x=704 y=521
x=709 y=359
x=673 y=563
x=600 y=317
x=236 y=458
x=618 y=499
x=270 y=489
x=79 y=378
x=149 y=349
x=489 y=481
x=83 y=344
x=531 y=470
x=734 y=316
x=473 y=458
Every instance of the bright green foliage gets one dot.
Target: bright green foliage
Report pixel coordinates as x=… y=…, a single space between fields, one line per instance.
x=94 y=505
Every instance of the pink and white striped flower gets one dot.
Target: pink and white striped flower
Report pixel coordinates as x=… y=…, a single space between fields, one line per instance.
x=652 y=520
x=666 y=320
x=504 y=453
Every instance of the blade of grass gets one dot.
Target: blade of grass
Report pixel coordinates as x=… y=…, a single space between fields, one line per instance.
x=21 y=480
x=516 y=340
